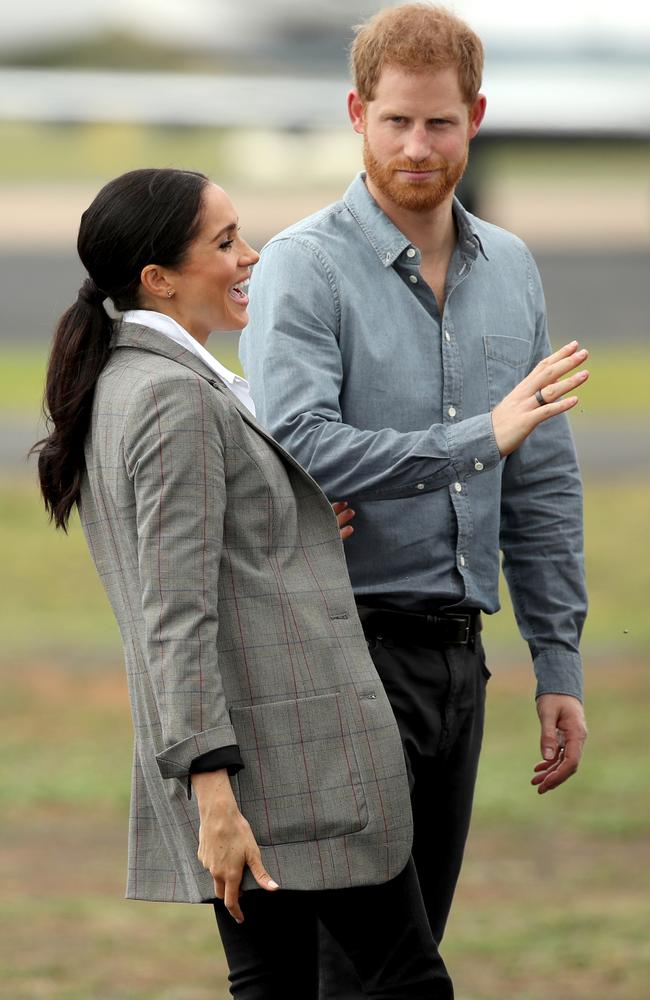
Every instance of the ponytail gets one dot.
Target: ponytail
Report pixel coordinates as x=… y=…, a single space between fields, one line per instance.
x=148 y=216
x=80 y=350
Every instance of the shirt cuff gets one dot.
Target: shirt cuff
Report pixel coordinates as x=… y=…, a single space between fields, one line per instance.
x=558 y=671
x=472 y=445
x=215 y=760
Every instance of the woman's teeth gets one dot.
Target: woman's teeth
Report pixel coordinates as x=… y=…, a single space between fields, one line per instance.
x=239 y=292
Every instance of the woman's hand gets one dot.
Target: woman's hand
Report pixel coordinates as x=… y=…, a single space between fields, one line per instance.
x=520 y=411
x=226 y=841
x=344 y=515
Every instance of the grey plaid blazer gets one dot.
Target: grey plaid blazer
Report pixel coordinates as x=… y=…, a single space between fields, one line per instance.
x=223 y=563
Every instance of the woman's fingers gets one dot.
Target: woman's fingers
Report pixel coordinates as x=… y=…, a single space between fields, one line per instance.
x=219 y=888
x=344 y=515
x=259 y=872
x=231 y=897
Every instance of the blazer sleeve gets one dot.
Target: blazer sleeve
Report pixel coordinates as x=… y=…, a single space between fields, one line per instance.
x=174 y=453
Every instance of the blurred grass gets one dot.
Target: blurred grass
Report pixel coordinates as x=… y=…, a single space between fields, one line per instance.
x=567 y=160
x=618 y=385
x=97 y=151
x=53 y=602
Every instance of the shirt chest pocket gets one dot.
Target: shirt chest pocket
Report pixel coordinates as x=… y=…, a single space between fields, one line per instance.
x=507 y=360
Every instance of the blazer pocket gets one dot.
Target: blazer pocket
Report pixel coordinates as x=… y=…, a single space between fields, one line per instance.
x=301 y=779
x=507 y=360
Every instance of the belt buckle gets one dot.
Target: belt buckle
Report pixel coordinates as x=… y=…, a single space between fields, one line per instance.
x=464 y=620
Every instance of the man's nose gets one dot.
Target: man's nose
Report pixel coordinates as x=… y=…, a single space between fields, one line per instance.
x=417 y=146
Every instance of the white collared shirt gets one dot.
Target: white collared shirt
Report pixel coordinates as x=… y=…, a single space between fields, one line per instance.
x=170 y=328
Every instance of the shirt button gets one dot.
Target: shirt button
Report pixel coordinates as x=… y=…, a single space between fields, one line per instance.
x=452 y=411
x=478 y=465
x=410 y=252
x=462 y=560
x=458 y=487
x=413 y=279
x=447 y=336
x=420 y=486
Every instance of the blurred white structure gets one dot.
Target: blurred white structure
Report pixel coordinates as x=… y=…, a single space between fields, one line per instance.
x=551 y=98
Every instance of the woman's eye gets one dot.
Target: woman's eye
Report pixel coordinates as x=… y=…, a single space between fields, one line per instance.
x=226 y=244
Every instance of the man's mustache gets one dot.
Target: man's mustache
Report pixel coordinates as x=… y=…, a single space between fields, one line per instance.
x=417 y=167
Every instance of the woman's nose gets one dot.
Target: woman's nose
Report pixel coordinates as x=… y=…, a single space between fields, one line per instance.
x=249 y=256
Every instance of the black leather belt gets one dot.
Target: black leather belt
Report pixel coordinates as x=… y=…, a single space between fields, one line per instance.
x=434 y=630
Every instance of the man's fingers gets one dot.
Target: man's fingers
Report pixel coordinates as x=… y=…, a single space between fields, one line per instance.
x=543 y=413
x=556 y=390
x=219 y=888
x=549 y=743
x=546 y=374
x=552 y=369
x=558 y=772
x=556 y=775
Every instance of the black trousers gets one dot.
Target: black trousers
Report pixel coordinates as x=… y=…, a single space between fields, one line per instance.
x=382 y=930
x=438 y=696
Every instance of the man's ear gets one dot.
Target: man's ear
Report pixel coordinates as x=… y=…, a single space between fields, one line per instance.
x=357 y=112
x=476 y=115
x=155 y=282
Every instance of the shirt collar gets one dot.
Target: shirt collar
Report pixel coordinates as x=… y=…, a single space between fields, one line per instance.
x=172 y=329
x=386 y=239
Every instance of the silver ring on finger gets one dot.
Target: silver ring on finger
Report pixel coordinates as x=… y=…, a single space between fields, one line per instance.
x=539 y=397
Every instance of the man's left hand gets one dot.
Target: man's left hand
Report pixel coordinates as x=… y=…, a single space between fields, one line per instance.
x=564 y=732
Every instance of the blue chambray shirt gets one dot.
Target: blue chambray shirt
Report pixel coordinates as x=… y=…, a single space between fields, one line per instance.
x=387 y=404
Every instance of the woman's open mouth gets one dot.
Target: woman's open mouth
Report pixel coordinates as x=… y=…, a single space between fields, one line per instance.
x=239 y=293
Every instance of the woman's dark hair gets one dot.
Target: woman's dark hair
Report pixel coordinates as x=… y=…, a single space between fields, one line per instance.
x=143 y=217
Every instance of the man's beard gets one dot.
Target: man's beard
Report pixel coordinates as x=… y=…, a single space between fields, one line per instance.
x=417 y=196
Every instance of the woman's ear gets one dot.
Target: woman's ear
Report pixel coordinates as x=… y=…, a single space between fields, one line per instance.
x=155 y=282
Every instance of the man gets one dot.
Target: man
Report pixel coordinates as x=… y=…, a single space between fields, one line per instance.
x=387 y=334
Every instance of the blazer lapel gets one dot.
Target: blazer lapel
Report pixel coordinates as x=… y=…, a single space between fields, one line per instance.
x=143 y=338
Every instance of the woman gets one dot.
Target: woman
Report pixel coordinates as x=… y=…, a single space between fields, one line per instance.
x=249 y=677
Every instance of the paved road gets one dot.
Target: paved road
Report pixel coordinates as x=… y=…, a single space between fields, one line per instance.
x=594 y=297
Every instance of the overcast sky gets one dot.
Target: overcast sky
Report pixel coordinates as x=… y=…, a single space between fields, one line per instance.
x=235 y=22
